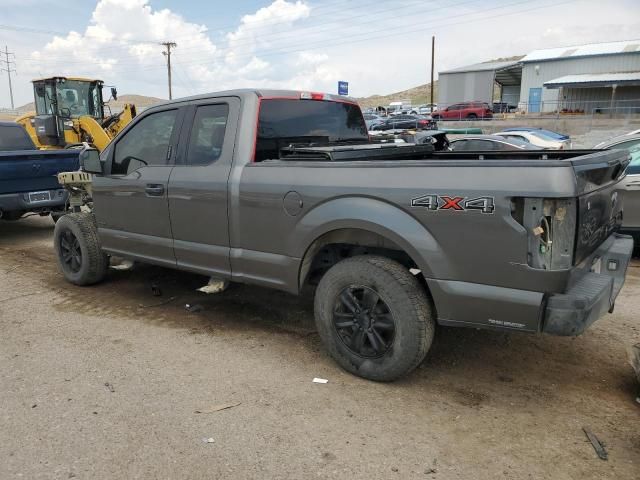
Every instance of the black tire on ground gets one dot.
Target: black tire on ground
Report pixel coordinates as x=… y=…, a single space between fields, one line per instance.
x=78 y=251
x=472 y=116
x=374 y=317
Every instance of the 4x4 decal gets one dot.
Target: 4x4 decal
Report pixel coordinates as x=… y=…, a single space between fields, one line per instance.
x=454 y=203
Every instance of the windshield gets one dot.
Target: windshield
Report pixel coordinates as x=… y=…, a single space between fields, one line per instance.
x=14 y=138
x=68 y=98
x=77 y=98
x=283 y=122
x=543 y=135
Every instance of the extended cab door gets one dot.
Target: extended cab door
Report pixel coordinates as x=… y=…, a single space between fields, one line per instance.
x=198 y=186
x=130 y=199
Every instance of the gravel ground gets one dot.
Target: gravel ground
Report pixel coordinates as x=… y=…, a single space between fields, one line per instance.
x=106 y=382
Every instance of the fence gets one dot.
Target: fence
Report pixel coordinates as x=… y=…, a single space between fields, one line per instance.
x=543 y=109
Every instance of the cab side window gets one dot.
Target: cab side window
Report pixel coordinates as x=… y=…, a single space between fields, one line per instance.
x=147 y=143
x=207 y=134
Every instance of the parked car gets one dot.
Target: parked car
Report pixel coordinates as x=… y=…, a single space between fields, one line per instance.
x=549 y=133
x=628 y=140
x=489 y=142
x=405 y=122
x=631 y=192
x=371 y=119
x=503 y=107
x=537 y=138
x=464 y=111
x=299 y=196
x=28 y=176
x=427 y=109
x=631 y=197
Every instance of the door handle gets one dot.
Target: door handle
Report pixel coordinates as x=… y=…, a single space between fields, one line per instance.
x=154 y=190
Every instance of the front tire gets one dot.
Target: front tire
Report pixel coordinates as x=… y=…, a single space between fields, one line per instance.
x=78 y=251
x=374 y=317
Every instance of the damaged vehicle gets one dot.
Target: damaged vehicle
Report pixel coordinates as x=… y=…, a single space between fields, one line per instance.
x=284 y=189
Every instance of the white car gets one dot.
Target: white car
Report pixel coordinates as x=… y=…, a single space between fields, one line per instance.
x=537 y=138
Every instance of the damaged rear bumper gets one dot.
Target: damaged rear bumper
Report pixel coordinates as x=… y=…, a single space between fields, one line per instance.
x=593 y=289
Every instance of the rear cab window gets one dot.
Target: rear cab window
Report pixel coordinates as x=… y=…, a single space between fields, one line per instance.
x=14 y=137
x=284 y=122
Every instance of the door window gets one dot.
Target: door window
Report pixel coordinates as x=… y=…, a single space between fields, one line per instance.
x=207 y=134
x=147 y=143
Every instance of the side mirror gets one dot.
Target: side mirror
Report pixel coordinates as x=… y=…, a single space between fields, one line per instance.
x=90 y=160
x=114 y=93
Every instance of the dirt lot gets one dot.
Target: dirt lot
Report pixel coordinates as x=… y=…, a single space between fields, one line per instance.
x=105 y=382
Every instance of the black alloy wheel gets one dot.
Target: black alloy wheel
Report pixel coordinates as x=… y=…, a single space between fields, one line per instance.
x=363 y=322
x=70 y=251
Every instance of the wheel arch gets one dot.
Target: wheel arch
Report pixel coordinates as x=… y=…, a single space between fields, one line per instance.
x=367 y=223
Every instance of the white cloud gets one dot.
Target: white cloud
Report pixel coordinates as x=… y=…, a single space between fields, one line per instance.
x=288 y=44
x=123 y=40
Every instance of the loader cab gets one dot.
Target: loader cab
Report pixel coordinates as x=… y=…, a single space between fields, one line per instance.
x=61 y=100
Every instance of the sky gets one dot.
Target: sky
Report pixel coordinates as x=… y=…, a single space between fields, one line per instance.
x=378 y=47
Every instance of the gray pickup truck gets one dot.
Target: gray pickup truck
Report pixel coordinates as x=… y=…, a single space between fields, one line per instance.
x=284 y=188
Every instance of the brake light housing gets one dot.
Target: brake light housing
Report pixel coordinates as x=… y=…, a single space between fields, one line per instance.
x=311 y=96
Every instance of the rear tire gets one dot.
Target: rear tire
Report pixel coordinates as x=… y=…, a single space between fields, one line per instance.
x=387 y=331
x=472 y=116
x=78 y=251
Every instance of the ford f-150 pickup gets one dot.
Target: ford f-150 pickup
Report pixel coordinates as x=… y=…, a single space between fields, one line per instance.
x=285 y=188
x=28 y=176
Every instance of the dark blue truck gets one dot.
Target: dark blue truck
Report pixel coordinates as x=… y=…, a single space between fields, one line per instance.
x=28 y=177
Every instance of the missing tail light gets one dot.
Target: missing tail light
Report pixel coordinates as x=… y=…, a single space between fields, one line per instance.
x=551 y=230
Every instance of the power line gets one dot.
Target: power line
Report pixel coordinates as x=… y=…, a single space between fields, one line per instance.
x=322 y=43
x=368 y=36
x=270 y=35
x=8 y=69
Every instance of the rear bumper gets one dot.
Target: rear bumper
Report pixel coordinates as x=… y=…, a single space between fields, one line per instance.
x=593 y=289
x=19 y=202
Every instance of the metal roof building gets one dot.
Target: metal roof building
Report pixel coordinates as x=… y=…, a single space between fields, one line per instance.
x=600 y=77
x=476 y=83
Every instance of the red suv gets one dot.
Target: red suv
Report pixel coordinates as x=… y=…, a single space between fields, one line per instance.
x=464 y=111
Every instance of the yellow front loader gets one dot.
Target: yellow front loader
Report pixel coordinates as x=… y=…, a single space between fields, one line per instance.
x=71 y=111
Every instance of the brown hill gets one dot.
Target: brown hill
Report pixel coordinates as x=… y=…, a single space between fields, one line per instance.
x=416 y=95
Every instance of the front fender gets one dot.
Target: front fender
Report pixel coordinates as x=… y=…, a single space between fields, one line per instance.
x=373 y=215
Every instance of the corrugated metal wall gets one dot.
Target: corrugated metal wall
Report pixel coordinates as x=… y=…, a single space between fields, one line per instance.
x=598 y=99
x=465 y=87
x=511 y=94
x=549 y=70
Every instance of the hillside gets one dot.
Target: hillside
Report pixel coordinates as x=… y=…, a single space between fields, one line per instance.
x=416 y=95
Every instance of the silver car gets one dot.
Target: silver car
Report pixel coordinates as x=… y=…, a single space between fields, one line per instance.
x=631 y=184
x=631 y=197
x=628 y=140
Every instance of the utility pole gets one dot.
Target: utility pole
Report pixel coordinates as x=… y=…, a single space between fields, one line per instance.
x=168 y=55
x=433 y=56
x=7 y=68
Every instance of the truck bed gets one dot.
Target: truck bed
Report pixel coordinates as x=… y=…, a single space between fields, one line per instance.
x=34 y=170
